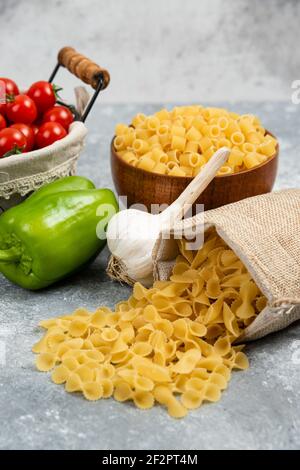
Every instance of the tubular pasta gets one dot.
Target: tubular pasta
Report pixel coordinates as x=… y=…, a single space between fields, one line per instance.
x=236 y=157
x=267 y=148
x=225 y=170
x=223 y=122
x=178 y=143
x=163 y=115
x=152 y=123
x=208 y=153
x=246 y=125
x=130 y=158
x=139 y=120
x=176 y=171
x=178 y=131
x=193 y=135
x=160 y=168
x=237 y=138
x=121 y=129
x=191 y=146
x=214 y=131
x=223 y=142
x=146 y=163
x=140 y=146
x=187 y=170
x=173 y=136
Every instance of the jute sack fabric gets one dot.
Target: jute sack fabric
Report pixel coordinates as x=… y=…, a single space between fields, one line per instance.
x=264 y=232
x=24 y=173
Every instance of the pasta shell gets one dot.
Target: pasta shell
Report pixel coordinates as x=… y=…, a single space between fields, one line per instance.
x=192 y=399
x=143 y=400
x=45 y=361
x=107 y=388
x=60 y=374
x=78 y=327
x=187 y=362
x=123 y=392
x=92 y=391
x=73 y=383
x=175 y=338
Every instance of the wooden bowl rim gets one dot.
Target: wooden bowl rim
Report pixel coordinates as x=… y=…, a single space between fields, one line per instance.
x=181 y=178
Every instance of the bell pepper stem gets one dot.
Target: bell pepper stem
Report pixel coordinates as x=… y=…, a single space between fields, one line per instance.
x=10 y=255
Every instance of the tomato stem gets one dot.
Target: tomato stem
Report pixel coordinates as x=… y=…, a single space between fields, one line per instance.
x=10 y=98
x=56 y=90
x=16 y=150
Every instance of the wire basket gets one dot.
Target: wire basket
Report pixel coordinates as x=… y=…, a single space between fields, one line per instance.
x=24 y=173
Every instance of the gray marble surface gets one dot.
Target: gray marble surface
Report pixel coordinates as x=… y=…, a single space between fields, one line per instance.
x=260 y=409
x=153 y=49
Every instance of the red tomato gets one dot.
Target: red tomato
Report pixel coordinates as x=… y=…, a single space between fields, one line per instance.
x=29 y=134
x=49 y=133
x=60 y=114
x=11 y=140
x=11 y=89
x=21 y=109
x=2 y=122
x=3 y=109
x=11 y=86
x=43 y=94
x=35 y=128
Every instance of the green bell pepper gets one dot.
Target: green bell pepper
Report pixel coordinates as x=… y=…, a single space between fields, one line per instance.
x=55 y=232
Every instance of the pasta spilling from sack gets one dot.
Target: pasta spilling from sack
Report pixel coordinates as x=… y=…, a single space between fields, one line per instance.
x=180 y=142
x=171 y=344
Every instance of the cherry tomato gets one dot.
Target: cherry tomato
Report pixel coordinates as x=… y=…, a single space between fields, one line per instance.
x=3 y=105
x=49 y=133
x=11 y=89
x=11 y=86
x=21 y=109
x=2 y=122
x=43 y=94
x=60 y=114
x=11 y=140
x=3 y=108
x=35 y=127
x=29 y=134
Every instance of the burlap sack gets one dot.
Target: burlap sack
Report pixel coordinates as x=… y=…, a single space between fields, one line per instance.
x=22 y=174
x=264 y=232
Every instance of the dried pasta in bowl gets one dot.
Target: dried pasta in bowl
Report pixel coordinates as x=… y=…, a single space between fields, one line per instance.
x=188 y=136
x=172 y=344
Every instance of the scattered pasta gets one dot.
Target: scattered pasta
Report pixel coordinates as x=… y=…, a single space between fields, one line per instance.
x=171 y=344
x=181 y=141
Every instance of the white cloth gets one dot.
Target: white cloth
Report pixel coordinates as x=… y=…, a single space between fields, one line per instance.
x=24 y=173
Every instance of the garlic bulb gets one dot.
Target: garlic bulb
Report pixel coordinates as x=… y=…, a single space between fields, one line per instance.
x=132 y=234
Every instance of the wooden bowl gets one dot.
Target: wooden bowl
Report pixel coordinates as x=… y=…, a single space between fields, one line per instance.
x=143 y=187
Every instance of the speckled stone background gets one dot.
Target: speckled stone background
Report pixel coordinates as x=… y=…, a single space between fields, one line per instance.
x=243 y=52
x=160 y=50
x=260 y=409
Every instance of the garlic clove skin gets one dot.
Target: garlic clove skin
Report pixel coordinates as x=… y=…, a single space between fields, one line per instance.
x=131 y=236
x=140 y=268
x=129 y=230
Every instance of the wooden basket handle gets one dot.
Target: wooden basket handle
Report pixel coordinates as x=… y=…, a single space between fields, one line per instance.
x=82 y=67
